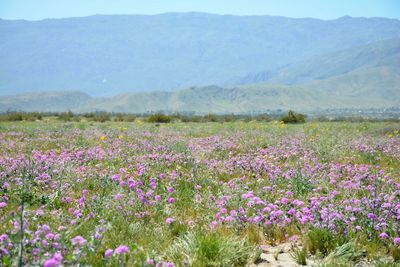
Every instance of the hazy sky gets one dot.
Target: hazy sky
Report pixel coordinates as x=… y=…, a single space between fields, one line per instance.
x=324 y=9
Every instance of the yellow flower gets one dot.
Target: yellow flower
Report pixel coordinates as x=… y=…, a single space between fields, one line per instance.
x=103 y=137
x=121 y=137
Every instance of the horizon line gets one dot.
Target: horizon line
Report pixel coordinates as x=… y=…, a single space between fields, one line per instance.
x=199 y=12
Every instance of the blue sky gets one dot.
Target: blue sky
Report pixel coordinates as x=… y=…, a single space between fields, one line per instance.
x=323 y=9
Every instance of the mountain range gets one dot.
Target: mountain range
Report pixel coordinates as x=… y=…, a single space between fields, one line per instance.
x=198 y=62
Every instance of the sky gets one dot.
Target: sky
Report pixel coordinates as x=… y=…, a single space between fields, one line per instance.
x=322 y=9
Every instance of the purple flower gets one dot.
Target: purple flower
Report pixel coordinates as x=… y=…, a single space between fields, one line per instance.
x=3 y=237
x=171 y=200
x=383 y=235
x=97 y=236
x=284 y=200
x=109 y=252
x=396 y=240
x=229 y=219
x=58 y=256
x=171 y=189
x=150 y=262
x=54 y=261
x=78 y=240
x=3 y=204
x=169 y=220
x=49 y=236
x=3 y=251
x=51 y=263
x=122 y=249
x=298 y=203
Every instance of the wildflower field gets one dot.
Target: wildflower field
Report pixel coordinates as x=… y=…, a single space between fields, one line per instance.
x=199 y=194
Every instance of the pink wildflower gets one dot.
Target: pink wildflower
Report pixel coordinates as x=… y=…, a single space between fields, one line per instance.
x=78 y=240
x=109 y=252
x=122 y=249
x=169 y=220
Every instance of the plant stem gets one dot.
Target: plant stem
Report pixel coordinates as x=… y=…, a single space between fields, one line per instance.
x=21 y=242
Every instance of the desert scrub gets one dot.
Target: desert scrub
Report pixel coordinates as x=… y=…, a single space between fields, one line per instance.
x=347 y=254
x=299 y=255
x=210 y=249
x=322 y=241
x=207 y=193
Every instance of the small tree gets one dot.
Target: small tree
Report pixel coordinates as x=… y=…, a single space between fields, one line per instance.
x=293 y=117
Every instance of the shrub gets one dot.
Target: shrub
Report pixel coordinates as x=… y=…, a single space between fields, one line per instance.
x=210 y=118
x=385 y=263
x=321 y=240
x=66 y=116
x=299 y=255
x=21 y=116
x=210 y=249
x=89 y=115
x=159 y=118
x=344 y=255
x=102 y=117
x=292 y=117
x=125 y=117
x=263 y=117
x=395 y=253
x=15 y=116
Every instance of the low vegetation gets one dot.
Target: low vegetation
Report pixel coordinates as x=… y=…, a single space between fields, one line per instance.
x=293 y=117
x=119 y=193
x=159 y=117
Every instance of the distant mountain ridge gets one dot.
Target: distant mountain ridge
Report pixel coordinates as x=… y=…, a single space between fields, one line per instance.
x=377 y=87
x=110 y=55
x=377 y=54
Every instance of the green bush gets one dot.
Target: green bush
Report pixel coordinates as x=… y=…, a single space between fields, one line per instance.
x=263 y=117
x=210 y=249
x=299 y=255
x=21 y=116
x=395 y=253
x=101 y=117
x=66 y=116
x=159 y=118
x=345 y=255
x=89 y=115
x=125 y=117
x=15 y=116
x=293 y=117
x=210 y=118
x=321 y=240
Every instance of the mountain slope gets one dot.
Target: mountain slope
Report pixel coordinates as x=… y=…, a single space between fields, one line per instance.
x=375 y=87
x=107 y=55
x=377 y=54
x=44 y=101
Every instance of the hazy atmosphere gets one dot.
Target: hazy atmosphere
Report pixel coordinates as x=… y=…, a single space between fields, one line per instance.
x=225 y=133
x=323 y=9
